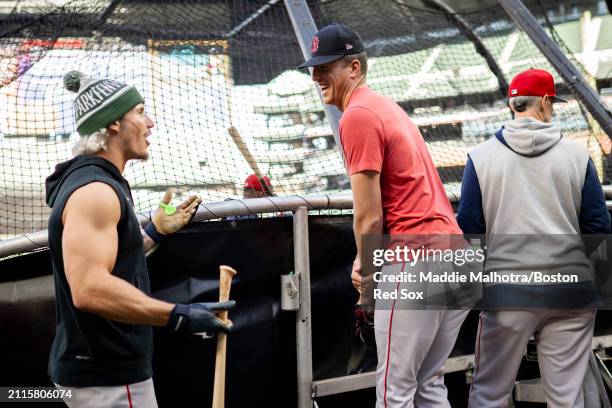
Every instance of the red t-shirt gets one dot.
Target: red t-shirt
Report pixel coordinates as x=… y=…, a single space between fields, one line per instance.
x=378 y=135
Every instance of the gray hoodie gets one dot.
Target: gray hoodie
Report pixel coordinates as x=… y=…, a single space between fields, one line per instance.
x=533 y=183
x=526 y=195
x=530 y=137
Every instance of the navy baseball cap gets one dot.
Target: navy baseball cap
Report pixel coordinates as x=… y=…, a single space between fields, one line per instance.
x=333 y=42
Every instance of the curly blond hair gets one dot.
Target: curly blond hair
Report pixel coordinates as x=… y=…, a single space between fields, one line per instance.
x=91 y=144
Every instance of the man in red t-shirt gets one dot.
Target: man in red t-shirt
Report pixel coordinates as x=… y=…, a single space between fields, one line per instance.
x=396 y=190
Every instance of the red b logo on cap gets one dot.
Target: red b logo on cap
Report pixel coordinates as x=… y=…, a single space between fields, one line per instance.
x=315 y=44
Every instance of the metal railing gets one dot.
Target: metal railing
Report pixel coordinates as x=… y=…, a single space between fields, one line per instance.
x=207 y=211
x=220 y=209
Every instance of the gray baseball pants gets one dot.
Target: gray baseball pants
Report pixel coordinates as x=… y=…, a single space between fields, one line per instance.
x=137 y=395
x=412 y=347
x=563 y=341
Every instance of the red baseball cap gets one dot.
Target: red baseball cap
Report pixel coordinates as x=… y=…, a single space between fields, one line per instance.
x=253 y=183
x=534 y=82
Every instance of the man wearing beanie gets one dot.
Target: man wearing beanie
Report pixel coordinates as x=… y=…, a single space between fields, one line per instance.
x=103 y=344
x=396 y=191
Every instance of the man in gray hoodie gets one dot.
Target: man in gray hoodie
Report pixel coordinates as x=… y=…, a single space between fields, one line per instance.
x=532 y=193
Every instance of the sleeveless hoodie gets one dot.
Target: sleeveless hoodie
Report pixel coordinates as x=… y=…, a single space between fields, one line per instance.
x=88 y=349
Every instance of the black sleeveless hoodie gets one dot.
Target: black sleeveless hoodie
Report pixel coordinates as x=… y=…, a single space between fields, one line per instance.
x=88 y=349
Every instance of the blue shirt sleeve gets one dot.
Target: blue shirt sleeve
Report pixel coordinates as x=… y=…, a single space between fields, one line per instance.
x=470 y=215
x=594 y=215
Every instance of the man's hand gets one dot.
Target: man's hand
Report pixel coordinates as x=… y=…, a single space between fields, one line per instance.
x=168 y=224
x=364 y=315
x=200 y=317
x=363 y=284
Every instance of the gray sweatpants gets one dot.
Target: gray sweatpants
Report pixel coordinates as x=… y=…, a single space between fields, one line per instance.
x=137 y=395
x=412 y=347
x=563 y=340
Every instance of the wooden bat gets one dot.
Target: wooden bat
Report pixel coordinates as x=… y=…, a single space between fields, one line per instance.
x=225 y=282
x=244 y=150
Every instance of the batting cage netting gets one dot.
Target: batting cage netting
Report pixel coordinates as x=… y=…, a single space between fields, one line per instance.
x=205 y=66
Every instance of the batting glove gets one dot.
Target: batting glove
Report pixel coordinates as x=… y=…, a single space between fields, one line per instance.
x=200 y=318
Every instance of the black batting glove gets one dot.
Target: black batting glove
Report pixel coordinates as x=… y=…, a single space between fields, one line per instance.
x=200 y=318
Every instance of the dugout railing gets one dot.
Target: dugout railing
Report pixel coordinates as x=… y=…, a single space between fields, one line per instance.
x=308 y=389
x=216 y=210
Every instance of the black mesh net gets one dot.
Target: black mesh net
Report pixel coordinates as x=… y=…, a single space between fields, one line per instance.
x=204 y=66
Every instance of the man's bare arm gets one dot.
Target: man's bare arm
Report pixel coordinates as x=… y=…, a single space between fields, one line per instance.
x=367 y=205
x=90 y=246
x=367 y=219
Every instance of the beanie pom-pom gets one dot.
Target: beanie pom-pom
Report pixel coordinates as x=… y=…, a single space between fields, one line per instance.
x=72 y=81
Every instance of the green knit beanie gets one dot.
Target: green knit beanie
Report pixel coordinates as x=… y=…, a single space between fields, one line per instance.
x=99 y=102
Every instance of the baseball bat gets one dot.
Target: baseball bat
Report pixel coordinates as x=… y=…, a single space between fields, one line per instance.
x=246 y=153
x=226 y=274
